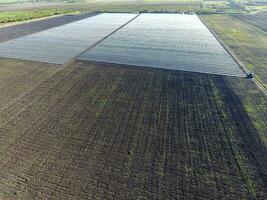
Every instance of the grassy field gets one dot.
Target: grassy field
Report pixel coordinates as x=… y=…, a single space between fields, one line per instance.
x=221 y=6
x=31 y=9
x=258 y=20
x=247 y=42
x=94 y=131
x=135 y=5
x=17 y=16
x=13 y=1
x=28 y=12
x=254 y=103
x=99 y=1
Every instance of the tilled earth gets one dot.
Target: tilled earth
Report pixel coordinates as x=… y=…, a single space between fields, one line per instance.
x=98 y=131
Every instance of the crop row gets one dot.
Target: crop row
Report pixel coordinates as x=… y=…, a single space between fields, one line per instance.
x=99 y=131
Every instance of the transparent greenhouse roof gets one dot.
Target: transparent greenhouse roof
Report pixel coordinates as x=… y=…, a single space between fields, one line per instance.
x=169 y=41
x=61 y=44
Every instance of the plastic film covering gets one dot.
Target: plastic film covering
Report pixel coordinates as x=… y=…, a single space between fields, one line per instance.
x=169 y=41
x=61 y=44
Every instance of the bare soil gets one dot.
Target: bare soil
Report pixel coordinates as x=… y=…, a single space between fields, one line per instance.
x=98 y=131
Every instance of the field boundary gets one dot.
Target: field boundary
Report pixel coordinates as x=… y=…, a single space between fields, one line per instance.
x=144 y=66
x=232 y=54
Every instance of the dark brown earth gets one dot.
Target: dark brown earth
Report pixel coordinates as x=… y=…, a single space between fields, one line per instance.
x=98 y=131
x=12 y=32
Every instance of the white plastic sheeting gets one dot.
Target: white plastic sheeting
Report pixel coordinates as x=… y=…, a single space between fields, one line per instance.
x=169 y=41
x=61 y=44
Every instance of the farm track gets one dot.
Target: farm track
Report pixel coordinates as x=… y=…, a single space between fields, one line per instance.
x=89 y=131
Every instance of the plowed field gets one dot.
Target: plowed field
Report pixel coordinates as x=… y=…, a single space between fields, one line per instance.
x=92 y=131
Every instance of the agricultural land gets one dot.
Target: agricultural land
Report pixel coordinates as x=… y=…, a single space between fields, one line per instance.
x=95 y=131
x=87 y=129
x=258 y=20
x=247 y=42
x=19 y=10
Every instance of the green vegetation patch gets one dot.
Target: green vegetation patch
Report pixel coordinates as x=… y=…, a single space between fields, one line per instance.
x=247 y=42
x=13 y=1
x=254 y=102
x=139 y=7
x=16 y=16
